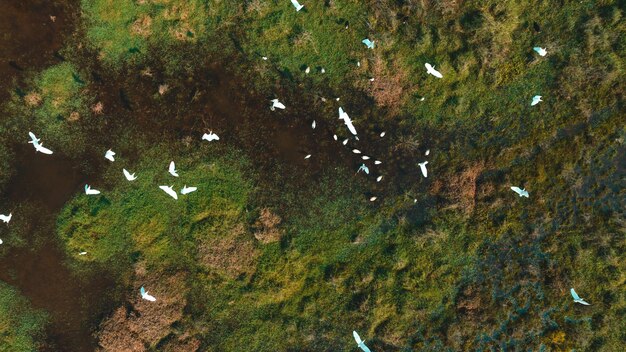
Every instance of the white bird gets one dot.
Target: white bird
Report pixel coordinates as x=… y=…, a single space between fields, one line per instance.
x=170 y=191
x=431 y=70
x=382 y=134
x=363 y=168
x=145 y=295
x=297 y=5
x=264 y=58
x=427 y=152
x=109 y=155
x=356 y=151
x=128 y=175
x=379 y=178
x=368 y=43
x=82 y=253
x=520 y=191
x=373 y=199
x=276 y=104
x=38 y=146
x=365 y=157
x=308 y=69
x=308 y=156
x=541 y=51
x=334 y=136
x=346 y=119
x=377 y=162
x=313 y=124
x=187 y=190
x=423 y=168
x=172 y=169
x=1 y=242
x=89 y=191
x=360 y=342
x=210 y=137
x=536 y=100
x=577 y=299
x=323 y=70
x=345 y=141
x=6 y=218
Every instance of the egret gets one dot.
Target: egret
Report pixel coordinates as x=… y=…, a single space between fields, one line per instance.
x=89 y=191
x=308 y=69
x=360 y=342
x=382 y=134
x=379 y=178
x=313 y=124
x=541 y=51
x=377 y=162
x=334 y=136
x=6 y=218
x=577 y=299
x=187 y=190
x=128 y=175
x=1 y=242
x=82 y=253
x=536 y=100
x=264 y=58
x=109 y=155
x=210 y=137
x=358 y=63
x=345 y=141
x=431 y=70
x=373 y=199
x=276 y=104
x=297 y=5
x=423 y=168
x=520 y=191
x=346 y=119
x=368 y=43
x=170 y=191
x=363 y=168
x=172 y=169
x=145 y=295
x=372 y=79
x=308 y=156
x=427 y=152
x=323 y=70
x=365 y=157
x=356 y=151
x=38 y=146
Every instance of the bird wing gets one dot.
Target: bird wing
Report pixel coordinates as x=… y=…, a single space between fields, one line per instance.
x=517 y=190
x=574 y=294
x=364 y=348
x=150 y=298
x=127 y=174
x=357 y=338
x=350 y=126
x=33 y=138
x=143 y=291
x=43 y=149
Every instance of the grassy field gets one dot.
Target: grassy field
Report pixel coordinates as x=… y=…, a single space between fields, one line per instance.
x=21 y=327
x=255 y=259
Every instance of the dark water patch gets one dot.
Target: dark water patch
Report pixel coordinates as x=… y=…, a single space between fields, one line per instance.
x=38 y=269
x=30 y=36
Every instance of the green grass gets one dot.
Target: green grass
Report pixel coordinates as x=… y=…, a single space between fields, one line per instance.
x=21 y=327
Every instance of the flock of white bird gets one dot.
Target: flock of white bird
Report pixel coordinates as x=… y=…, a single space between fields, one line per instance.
x=276 y=104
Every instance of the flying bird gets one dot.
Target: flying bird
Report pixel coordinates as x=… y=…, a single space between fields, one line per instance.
x=89 y=191
x=109 y=155
x=346 y=119
x=577 y=298
x=210 y=137
x=297 y=5
x=172 y=169
x=520 y=191
x=128 y=175
x=536 y=100
x=145 y=295
x=358 y=340
x=541 y=51
x=187 y=190
x=364 y=169
x=38 y=146
x=170 y=191
x=6 y=218
x=431 y=70
x=276 y=104
x=368 y=43
x=423 y=168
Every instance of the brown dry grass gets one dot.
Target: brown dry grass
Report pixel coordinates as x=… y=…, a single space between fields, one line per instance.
x=233 y=255
x=143 y=323
x=388 y=86
x=462 y=189
x=33 y=99
x=141 y=26
x=267 y=227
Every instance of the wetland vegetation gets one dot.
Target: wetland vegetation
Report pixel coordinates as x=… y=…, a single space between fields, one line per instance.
x=276 y=252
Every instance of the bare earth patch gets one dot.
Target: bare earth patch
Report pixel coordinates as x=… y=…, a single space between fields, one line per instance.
x=267 y=227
